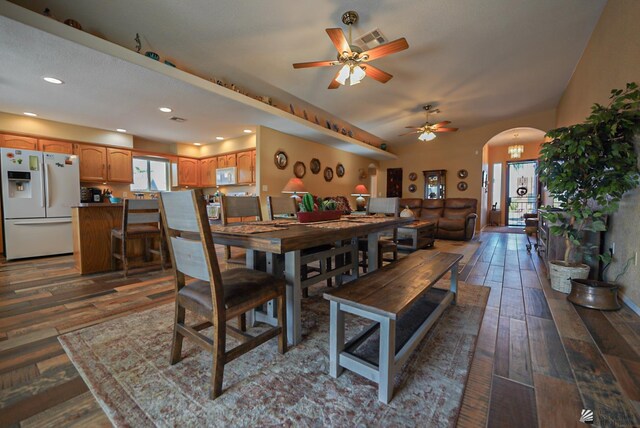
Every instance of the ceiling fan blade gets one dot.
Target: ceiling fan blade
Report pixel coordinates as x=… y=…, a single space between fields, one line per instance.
x=338 y=39
x=377 y=74
x=314 y=64
x=408 y=133
x=413 y=127
x=386 y=49
x=445 y=130
x=444 y=122
x=334 y=83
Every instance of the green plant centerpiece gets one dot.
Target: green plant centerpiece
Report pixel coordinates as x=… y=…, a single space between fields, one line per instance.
x=587 y=168
x=322 y=210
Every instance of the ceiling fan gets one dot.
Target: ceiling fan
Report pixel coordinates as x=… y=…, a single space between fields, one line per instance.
x=429 y=130
x=354 y=61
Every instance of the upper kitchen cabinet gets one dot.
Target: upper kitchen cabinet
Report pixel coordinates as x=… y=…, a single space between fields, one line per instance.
x=245 y=167
x=93 y=162
x=18 y=142
x=120 y=165
x=52 y=146
x=231 y=160
x=188 y=172
x=208 y=172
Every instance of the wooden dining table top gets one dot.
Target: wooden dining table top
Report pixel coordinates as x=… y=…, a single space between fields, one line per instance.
x=299 y=236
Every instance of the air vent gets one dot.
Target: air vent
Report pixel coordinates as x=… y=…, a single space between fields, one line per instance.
x=177 y=119
x=370 y=40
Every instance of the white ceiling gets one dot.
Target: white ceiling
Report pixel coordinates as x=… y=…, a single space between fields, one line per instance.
x=478 y=61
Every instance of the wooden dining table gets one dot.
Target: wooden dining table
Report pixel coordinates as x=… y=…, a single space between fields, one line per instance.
x=285 y=242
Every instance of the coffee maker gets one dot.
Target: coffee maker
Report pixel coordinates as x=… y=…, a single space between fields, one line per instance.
x=90 y=194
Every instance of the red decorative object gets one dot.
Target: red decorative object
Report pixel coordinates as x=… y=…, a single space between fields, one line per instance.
x=306 y=217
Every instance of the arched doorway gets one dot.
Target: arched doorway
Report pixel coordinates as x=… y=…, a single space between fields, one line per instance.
x=511 y=188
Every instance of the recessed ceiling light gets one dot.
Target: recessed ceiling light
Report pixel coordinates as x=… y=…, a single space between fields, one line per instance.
x=248 y=131
x=219 y=138
x=165 y=109
x=53 y=80
x=197 y=144
x=121 y=130
x=28 y=113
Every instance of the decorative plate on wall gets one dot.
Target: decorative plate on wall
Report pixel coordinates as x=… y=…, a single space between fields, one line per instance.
x=463 y=173
x=413 y=176
x=339 y=170
x=328 y=174
x=462 y=186
x=299 y=169
x=281 y=160
x=315 y=165
x=412 y=188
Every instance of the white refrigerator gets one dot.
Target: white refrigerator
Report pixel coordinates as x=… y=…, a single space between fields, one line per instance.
x=38 y=191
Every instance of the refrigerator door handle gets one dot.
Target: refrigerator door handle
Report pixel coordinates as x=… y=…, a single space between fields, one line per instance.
x=36 y=222
x=42 y=190
x=46 y=184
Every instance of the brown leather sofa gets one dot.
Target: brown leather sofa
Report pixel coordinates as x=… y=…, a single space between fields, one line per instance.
x=455 y=217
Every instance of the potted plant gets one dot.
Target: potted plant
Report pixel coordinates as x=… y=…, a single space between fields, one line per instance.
x=311 y=211
x=587 y=167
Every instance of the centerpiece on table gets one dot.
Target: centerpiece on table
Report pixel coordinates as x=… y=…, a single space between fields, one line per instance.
x=311 y=211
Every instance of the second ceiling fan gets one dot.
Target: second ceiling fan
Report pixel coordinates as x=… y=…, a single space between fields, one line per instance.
x=428 y=130
x=354 y=61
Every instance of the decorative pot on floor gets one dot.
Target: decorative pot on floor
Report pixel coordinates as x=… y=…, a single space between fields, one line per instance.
x=594 y=294
x=562 y=273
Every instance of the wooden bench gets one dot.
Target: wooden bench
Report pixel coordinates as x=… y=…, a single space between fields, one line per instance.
x=402 y=304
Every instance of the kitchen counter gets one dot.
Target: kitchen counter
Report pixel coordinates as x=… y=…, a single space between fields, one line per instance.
x=96 y=204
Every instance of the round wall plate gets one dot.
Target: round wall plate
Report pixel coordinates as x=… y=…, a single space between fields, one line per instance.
x=340 y=170
x=462 y=186
x=463 y=173
x=412 y=188
x=315 y=165
x=328 y=174
x=299 y=169
x=280 y=159
x=413 y=176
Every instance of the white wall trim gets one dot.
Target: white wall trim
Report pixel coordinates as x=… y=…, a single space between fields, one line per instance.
x=635 y=308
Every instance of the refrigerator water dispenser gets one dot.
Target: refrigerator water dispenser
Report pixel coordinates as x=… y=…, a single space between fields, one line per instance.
x=19 y=184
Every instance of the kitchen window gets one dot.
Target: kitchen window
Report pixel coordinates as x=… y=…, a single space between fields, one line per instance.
x=150 y=175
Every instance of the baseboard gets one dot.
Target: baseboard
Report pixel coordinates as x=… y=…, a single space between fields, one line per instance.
x=635 y=308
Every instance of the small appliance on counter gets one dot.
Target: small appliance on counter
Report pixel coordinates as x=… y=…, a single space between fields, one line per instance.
x=90 y=194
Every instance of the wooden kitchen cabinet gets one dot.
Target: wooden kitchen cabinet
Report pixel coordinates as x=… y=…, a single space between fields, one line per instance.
x=245 y=168
x=188 y=172
x=53 y=146
x=93 y=162
x=119 y=165
x=18 y=142
x=208 y=172
x=253 y=166
x=231 y=160
x=222 y=161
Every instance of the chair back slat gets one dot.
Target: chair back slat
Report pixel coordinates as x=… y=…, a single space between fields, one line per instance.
x=384 y=206
x=189 y=258
x=280 y=206
x=240 y=206
x=143 y=204
x=140 y=218
x=179 y=211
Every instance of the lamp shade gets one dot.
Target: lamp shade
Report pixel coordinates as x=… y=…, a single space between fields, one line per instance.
x=294 y=185
x=360 y=190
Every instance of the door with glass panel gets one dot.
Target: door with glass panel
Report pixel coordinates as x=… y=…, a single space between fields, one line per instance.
x=522 y=191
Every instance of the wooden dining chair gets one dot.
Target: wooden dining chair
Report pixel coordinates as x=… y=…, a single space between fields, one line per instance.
x=285 y=207
x=386 y=244
x=140 y=220
x=216 y=296
x=239 y=208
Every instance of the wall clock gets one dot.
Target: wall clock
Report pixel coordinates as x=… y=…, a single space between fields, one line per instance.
x=315 y=165
x=413 y=176
x=462 y=186
x=280 y=159
x=463 y=173
x=328 y=174
x=339 y=170
x=412 y=188
x=299 y=169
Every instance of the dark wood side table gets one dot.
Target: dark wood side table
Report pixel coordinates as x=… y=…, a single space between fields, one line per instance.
x=417 y=235
x=494 y=217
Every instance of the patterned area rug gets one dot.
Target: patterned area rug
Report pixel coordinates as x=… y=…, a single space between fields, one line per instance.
x=125 y=364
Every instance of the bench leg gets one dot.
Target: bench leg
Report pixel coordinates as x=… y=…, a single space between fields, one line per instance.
x=386 y=362
x=454 y=282
x=336 y=339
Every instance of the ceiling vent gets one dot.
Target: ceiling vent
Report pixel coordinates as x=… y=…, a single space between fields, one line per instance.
x=177 y=119
x=370 y=40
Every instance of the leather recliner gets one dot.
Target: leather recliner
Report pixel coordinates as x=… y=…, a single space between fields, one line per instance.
x=455 y=218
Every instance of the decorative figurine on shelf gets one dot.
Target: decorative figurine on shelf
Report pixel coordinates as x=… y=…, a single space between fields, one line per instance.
x=138 y=43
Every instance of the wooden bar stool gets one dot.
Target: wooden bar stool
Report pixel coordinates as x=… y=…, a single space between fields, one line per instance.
x=214 y=295
x=140 y=220
x=238 y=208
x=387 y=206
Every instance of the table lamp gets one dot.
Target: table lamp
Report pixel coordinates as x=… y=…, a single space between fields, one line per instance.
x=294 y=186
x=360 y=191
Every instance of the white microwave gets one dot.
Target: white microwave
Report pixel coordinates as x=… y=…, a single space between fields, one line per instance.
x=226 y=176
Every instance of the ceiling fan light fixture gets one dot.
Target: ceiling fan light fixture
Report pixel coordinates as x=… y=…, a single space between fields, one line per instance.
x=357 y=74
x=345 y=71
x=426 y=136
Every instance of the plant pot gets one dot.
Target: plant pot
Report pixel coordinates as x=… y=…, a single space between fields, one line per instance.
x=594 y=294
x=562 y=273
x=309 y=217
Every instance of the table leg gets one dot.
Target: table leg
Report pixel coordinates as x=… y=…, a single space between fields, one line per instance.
x=355 y=268
x=292 y=274
x=274 y=267
x=454 y=282
x=251 y=263
x=372 y=251
x=339 y=262
x=336 y=339
x=386 y=361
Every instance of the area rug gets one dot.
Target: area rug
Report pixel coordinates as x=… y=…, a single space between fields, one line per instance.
x=125 y=364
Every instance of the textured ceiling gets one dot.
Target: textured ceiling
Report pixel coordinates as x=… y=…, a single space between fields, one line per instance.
x=478 y=61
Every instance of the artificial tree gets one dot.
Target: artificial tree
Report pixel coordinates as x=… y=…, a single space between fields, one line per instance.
x=588 y=167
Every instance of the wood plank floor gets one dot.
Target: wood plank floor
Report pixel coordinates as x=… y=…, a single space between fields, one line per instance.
x=539 y=359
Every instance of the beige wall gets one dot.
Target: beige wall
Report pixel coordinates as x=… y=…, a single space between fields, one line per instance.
x=455 y=151
x=245 y=142
x=610 y=60
x=298 y=149
x=11 y=123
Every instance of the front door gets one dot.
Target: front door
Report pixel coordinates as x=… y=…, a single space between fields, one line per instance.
x=522 y=191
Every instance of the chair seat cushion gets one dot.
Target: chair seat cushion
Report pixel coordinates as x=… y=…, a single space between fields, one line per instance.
x=451 y=224
x=138 y=229
x=240 y=285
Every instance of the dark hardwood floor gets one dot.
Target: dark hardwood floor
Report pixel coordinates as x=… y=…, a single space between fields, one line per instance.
x=539 y=359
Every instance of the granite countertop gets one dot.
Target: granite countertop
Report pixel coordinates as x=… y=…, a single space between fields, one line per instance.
x=96 y=204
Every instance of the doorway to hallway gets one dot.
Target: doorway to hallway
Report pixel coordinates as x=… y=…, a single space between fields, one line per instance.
x=522 y=191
